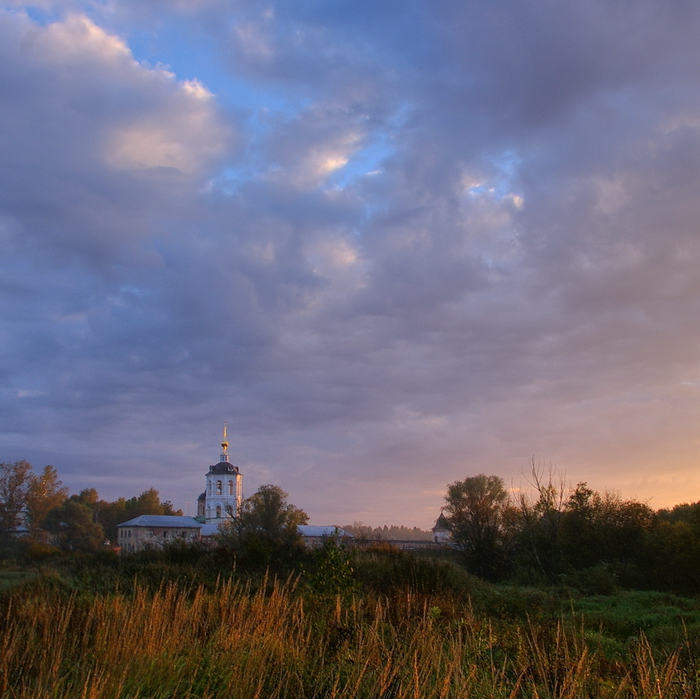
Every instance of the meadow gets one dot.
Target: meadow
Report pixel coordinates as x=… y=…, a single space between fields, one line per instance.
x=376 y=624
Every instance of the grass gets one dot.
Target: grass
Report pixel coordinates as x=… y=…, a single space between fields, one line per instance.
x=278 y=641
x=12 y=578
x=618 y=622
x=187 y=624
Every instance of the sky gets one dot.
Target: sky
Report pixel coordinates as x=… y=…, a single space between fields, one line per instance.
x=392 y=244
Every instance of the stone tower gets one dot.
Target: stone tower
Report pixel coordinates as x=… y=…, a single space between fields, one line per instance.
x=224 y=490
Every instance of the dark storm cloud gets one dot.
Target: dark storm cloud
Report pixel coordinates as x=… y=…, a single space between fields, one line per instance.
x=458 y=235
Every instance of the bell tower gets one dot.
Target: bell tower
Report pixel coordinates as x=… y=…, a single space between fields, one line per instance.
x=224 y=489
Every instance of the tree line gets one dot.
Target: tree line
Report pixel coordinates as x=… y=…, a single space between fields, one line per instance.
x=554 y=534
x=387 y=533
x=573 y=535
x=38 y=515
x=39 y=507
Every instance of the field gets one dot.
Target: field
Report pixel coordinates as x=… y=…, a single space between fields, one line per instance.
x=398 y=627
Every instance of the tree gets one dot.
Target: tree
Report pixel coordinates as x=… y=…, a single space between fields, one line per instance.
x=672 y=551
x=266 y=527
x=110 y=514
x=476 y=514
x=44 y=493
x=73 y=527
x=540 y=521
x=148 y=503
x=602 y=528
x=15 y=478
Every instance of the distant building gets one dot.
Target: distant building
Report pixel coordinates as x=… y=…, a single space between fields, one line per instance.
x=224 y=490
x=21 y=527
x=441 y=532
x=156 y=531
x=217 y=504
x=315 y=537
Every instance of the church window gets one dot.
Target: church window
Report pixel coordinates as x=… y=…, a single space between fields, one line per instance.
x=230 y=487
x=218 y=511
x=165 y=534
x=229 y=510
x=218 y=487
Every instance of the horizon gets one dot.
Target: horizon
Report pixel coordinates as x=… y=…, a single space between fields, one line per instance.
x=528 y=490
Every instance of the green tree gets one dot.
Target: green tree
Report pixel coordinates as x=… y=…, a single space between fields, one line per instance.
x=148 y=503
x=110 y=514
x=15 y=479
x=539 y=523
x=73 y=527
x=477 y=515
x=603 y=528
x=44 y=493
x=332 y=573
x=672 y=553
x=265 y=529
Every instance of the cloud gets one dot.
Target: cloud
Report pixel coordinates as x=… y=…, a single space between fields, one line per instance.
x=428 y=240
x=91 y=139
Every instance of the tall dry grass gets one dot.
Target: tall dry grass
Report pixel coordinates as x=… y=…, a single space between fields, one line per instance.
x=180 y=643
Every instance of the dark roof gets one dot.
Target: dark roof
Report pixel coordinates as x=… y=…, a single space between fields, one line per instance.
x=223 y=467
x=441 y=522
x=202 y=496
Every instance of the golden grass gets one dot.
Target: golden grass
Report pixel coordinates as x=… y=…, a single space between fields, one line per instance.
x=277 y=643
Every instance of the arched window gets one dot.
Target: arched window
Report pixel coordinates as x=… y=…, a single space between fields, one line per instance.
x=218 y=511
x=218 y=487
x=229 y=510
x=230 y=487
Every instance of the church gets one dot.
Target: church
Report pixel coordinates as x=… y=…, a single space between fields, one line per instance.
x=223 y=494
x=218 y=503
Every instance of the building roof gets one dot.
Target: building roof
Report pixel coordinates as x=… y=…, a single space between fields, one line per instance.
x=210 y=529
x=224 y=467
x=162 y=521
x=441 y=522
x=311 y=530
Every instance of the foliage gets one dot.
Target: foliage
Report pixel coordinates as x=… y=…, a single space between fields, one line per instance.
x=391 y=532
x=539 y=524
x=382 y=569
x=602 y=528
x=25 y=500
x=265 y=529
x=109 y=514
x=41 y=502
x=592 y=541
x=14 y=489
x=671 y=556
x=332 y=571
x=73 y=527
x=44 y=493
x=476 y=513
